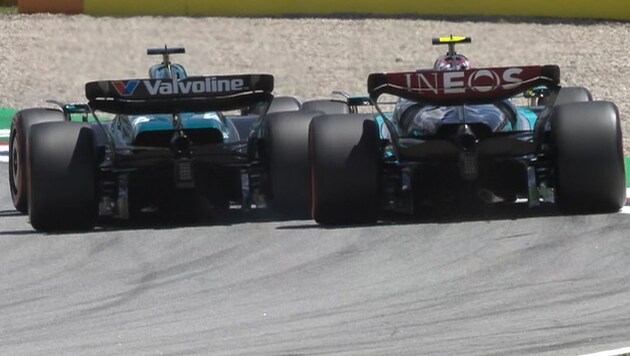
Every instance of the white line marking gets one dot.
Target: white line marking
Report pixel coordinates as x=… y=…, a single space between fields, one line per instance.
x=4 y=133
x=4 y=152
x=618 y=352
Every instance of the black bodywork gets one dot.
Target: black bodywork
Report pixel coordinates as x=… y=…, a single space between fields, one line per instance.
x=475 y=150
x=171 y=170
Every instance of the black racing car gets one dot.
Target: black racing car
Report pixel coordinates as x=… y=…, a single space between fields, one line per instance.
x=456 y=137
x=170 y=144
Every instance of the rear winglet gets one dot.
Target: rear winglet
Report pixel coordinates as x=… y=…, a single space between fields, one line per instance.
x=481 y=85
x=193 y=94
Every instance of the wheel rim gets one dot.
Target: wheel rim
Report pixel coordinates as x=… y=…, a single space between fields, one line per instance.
x=15 y=166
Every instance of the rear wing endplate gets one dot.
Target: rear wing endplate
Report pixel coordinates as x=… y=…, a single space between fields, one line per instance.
x=471 y=86
x=193 y=94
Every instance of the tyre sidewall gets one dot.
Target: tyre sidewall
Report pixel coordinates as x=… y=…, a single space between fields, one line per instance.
x=20 y=125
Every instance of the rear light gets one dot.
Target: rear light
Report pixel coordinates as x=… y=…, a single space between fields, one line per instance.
x=468 y=165
x=184 y=176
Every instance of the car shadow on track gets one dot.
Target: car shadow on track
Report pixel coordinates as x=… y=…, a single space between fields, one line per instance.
x=218 y=218
x=230 y=217
x=158 y=221
x=487 y=212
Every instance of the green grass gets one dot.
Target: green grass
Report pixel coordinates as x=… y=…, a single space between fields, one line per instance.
x=6 y=115
x=8 y=10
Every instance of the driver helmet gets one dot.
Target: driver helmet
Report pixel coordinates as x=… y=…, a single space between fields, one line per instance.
x=162 y=71
x=454 y=62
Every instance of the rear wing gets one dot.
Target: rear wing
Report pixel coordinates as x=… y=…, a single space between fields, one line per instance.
x=471 y=86
x=193 y=94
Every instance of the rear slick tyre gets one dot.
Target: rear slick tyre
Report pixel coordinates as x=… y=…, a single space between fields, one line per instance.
x=569 y=95
x=345 y=169
x=62 y=179
x=325 y=106
x=588 y=157
x=20 y=126
x=286 y=154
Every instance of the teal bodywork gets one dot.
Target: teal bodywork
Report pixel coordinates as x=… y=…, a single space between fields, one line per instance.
x=128 y=128
x=526 y=120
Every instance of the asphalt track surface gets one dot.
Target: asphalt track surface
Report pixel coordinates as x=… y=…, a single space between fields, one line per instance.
x=512 y=281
